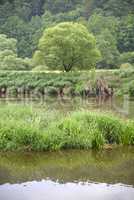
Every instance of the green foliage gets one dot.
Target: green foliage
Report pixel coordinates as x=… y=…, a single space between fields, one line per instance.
x=99 y=22
x=60 y=6
x=106 y=43
x=75 y=83
x=125 y=34
x=7 y=44
x=131 y=88
x=127 y=57
x=50 y=82
x=40 y=68
x=67 y=45
x=26 y=21
x=105 y=29
x=30 y=129
x=126 y=70
x=8 y=55
x=113 y=7
x=27 y=35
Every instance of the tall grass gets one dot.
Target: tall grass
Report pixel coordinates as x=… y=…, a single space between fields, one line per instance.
x=32 y=129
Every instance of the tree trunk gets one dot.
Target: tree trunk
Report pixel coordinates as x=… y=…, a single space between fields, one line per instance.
x=67 y=67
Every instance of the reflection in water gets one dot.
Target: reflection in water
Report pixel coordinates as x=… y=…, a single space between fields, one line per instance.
x=72 y=174
x=48 y=190
x=111 y=166
x=122 y=106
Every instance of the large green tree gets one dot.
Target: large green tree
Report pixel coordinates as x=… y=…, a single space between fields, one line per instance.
x=67 y=45
x=25 y=20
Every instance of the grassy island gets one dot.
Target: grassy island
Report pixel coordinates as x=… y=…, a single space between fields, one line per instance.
x=33 y=129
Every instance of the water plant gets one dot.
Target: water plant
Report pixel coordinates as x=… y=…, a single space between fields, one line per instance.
x=35 y=129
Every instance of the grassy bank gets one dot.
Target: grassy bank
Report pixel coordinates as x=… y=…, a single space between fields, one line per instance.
x=74 y=83
x=25 y=128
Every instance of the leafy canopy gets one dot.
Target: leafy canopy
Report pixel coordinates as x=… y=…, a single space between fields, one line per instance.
x=7 y=44
x=8 y=55
x=105 y=30
x=67 y=45
x=106 y=43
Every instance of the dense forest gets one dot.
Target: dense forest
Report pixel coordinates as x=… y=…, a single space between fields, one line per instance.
x=111 y=22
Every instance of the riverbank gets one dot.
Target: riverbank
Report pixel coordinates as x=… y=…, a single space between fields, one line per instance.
x=24 y=128
x=26 y=83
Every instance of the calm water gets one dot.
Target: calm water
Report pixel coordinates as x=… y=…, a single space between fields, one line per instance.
x=70 y=175
x=121 y=106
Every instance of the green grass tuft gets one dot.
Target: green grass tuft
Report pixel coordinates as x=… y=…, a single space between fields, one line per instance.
x=33 y=129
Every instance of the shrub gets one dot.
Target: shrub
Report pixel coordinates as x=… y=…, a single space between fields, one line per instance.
x=127 y=57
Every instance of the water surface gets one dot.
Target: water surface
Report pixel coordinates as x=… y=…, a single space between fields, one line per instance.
x=121 y=106
x=68 y=175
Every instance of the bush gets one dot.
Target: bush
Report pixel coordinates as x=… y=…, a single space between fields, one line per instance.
x=126 y=69
x=127 y=57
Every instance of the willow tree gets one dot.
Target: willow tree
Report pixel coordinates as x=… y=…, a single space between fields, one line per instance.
x=67 y=46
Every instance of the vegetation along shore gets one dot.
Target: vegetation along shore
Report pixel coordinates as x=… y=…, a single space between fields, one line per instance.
x=34 y=129
x=24 y=83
